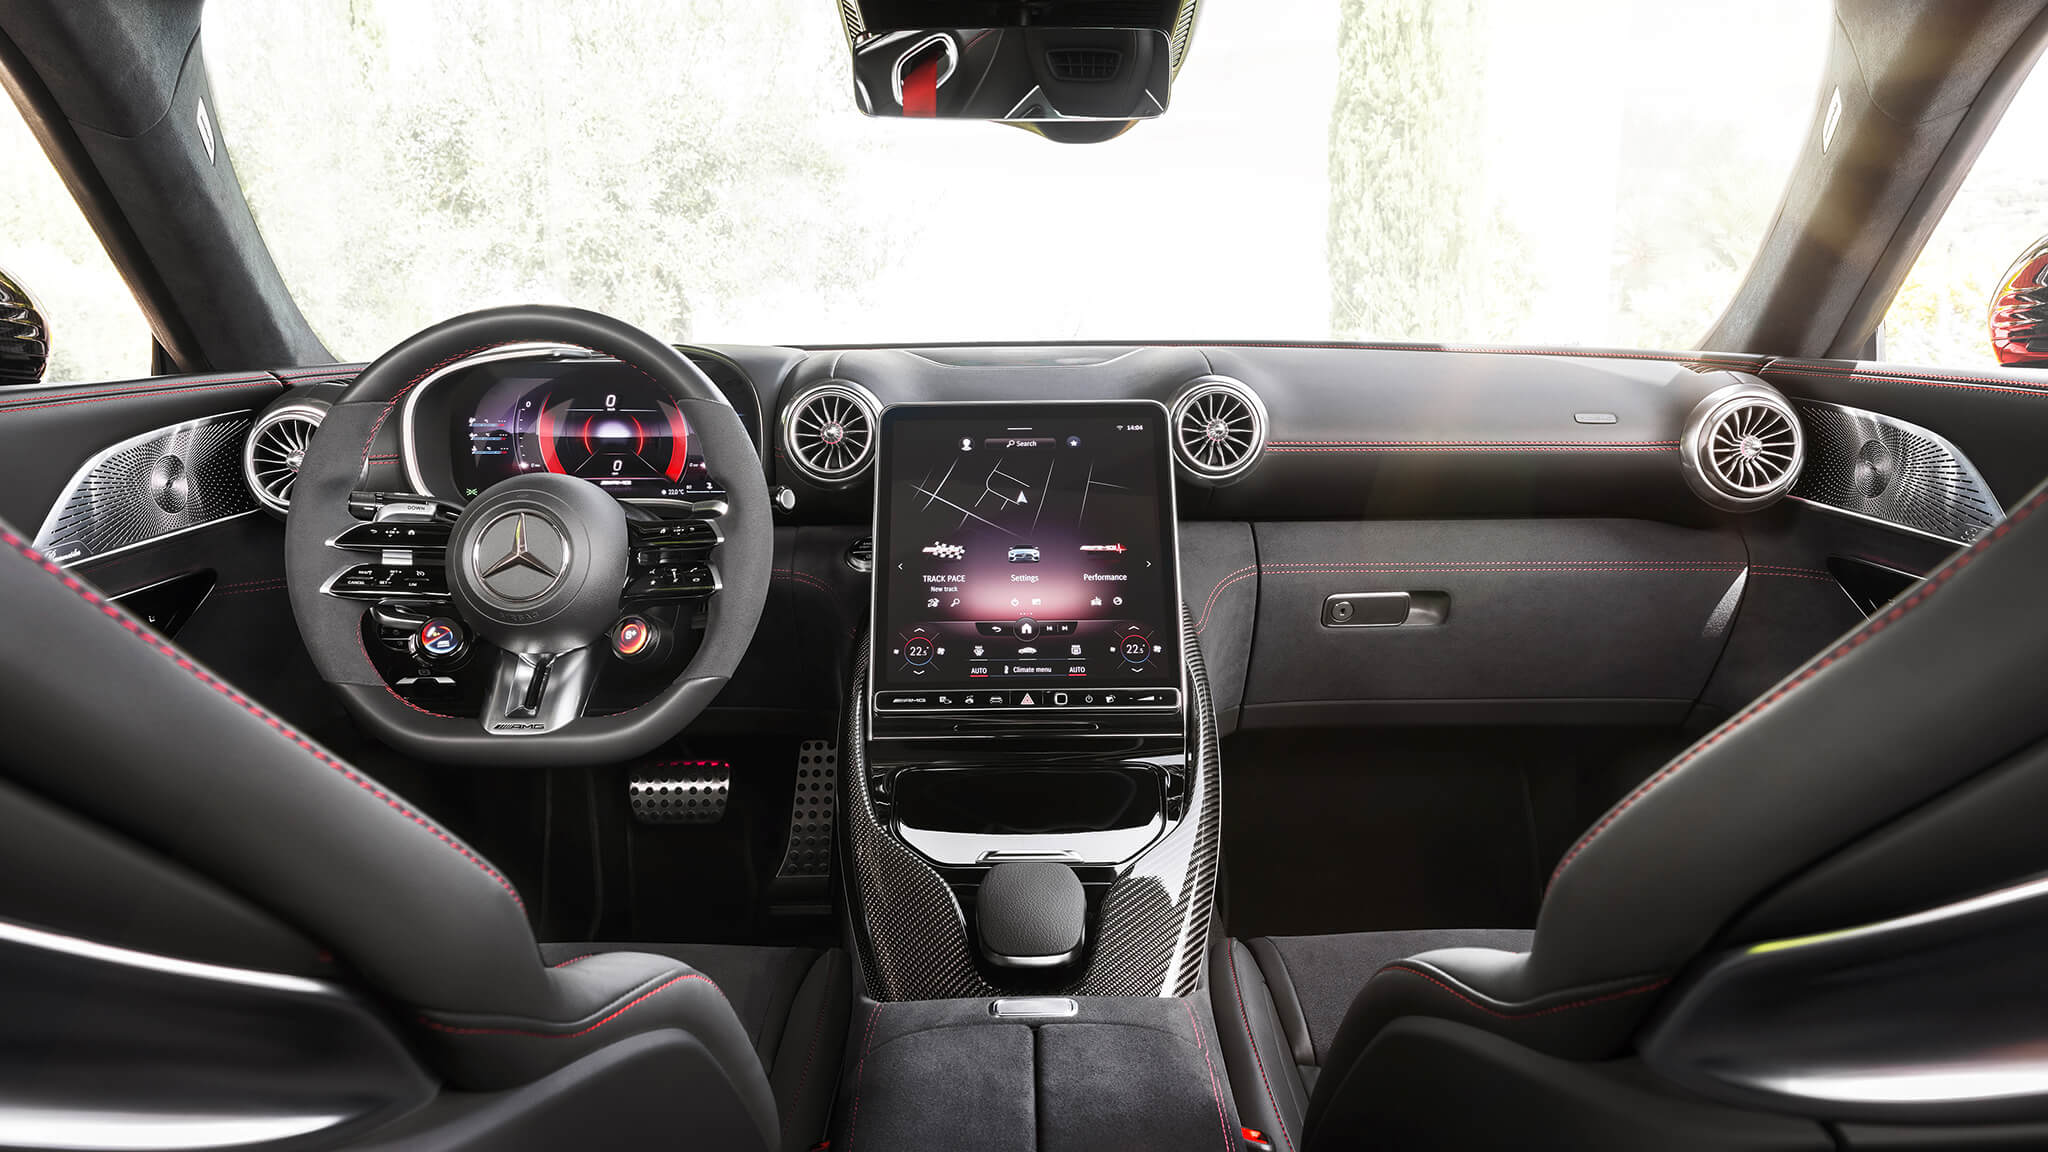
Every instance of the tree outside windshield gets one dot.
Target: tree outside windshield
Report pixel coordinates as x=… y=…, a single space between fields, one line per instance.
x=1582 y=171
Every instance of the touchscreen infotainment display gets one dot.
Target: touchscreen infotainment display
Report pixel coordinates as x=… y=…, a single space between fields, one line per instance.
x=1025 y=558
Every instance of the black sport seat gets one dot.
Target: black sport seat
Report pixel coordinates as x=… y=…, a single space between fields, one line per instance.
x=236 y=922
x=1280 y=1001
x=1750 y=943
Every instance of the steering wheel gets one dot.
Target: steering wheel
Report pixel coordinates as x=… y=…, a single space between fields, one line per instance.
x=539 y=564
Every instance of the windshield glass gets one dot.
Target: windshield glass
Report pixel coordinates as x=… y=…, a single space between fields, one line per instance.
x=1581 y=171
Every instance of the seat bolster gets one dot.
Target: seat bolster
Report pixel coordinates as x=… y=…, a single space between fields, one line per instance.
x=1264 y=1075
x=1488 y=990
x=600 y=1000
x=1286 y=1000
x=806 y=1068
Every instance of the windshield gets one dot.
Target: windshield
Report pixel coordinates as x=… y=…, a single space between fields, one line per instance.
x=1583 y=171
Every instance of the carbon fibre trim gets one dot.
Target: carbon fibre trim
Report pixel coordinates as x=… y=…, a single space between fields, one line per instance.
x=1154 y=922
x=150 y=486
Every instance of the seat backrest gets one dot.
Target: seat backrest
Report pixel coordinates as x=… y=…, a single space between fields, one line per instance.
x=1930 y=695
x=110 y=723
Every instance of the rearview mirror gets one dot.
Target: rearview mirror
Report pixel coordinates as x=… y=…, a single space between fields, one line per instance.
x=2019 y=311
x=24 y=335
x=1029 y=74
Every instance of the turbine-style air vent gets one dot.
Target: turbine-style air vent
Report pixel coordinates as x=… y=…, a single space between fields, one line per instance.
x=828 y=431
x=1742 y=447
x=275 y=449
x=1219 y=428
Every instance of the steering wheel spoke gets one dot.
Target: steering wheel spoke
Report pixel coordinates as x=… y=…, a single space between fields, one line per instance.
x=535 y=693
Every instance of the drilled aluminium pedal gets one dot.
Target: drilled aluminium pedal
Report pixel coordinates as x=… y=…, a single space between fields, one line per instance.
x=811 y=811
x=681 y=792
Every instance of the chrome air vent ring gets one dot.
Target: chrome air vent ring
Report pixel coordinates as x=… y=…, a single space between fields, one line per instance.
x=275 y=448
x=1742 y=447
x=1219 y=429
x=829 y=432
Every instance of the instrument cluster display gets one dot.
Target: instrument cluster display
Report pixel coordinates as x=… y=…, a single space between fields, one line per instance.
x=603 y=422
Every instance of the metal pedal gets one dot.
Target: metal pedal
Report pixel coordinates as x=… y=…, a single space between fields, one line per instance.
x=812 y=811
x=681 y=792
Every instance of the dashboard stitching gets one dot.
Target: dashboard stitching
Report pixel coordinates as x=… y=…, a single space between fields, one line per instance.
x=1588 y=447
x=1979 y=384
x=1475 y=443
x=185 y=664
x=1857 y=639
x=1225 y=582
x=243 y=382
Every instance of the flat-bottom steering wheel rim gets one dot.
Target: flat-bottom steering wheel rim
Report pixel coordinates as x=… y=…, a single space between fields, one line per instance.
x=363 y=424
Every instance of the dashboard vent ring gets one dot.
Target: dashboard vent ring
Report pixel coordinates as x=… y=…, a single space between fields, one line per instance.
x=828 y=431
x=1743 y=447
x=274 y=451
x=1219 y=429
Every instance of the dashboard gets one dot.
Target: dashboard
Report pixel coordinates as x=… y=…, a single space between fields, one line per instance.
x=1399 y=534
x=1029 y=560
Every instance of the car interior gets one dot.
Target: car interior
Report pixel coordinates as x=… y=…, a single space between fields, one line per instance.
x=543 y=733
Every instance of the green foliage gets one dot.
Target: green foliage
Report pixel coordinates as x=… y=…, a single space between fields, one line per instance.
x=1417 y=249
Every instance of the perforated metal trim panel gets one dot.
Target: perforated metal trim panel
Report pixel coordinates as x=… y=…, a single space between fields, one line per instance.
x=154 y=485
x=1870 y=465
x=812 y=810
x=1154 y=921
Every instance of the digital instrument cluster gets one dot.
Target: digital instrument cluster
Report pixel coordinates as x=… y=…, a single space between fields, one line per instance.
x=615 y=428
x=1026 y=558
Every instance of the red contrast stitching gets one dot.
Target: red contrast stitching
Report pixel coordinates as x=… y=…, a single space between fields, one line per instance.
x=1217 y=591
x=1216 y=1093
x=1530 y=1015
x=1572 y=353
x=178 y=658
x=817 y=1029
x=1855 y=640
x=1253 y=1039
x=1580 y=447
x=859 y=1070
x=1976 y=384
x=265 y=382
x=574 y=959
x=456 y=1030
x=803 y=578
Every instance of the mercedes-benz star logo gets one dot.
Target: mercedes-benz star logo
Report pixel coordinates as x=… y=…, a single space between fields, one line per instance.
x=531 y=554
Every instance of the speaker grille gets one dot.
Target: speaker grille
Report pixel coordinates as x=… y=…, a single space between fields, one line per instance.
x=157 y=484
x=1874 y=466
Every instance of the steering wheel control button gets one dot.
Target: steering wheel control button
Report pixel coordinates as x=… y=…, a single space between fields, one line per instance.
x=439 y=641
x=389 y=582
x=402 y=535
x=676 y=535
x=674 y=582
x=636 y=639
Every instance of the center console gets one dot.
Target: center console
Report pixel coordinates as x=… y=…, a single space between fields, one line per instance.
x=1030 y=793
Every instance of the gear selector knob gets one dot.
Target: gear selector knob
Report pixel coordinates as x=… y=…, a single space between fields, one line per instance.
x=1032 y=914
